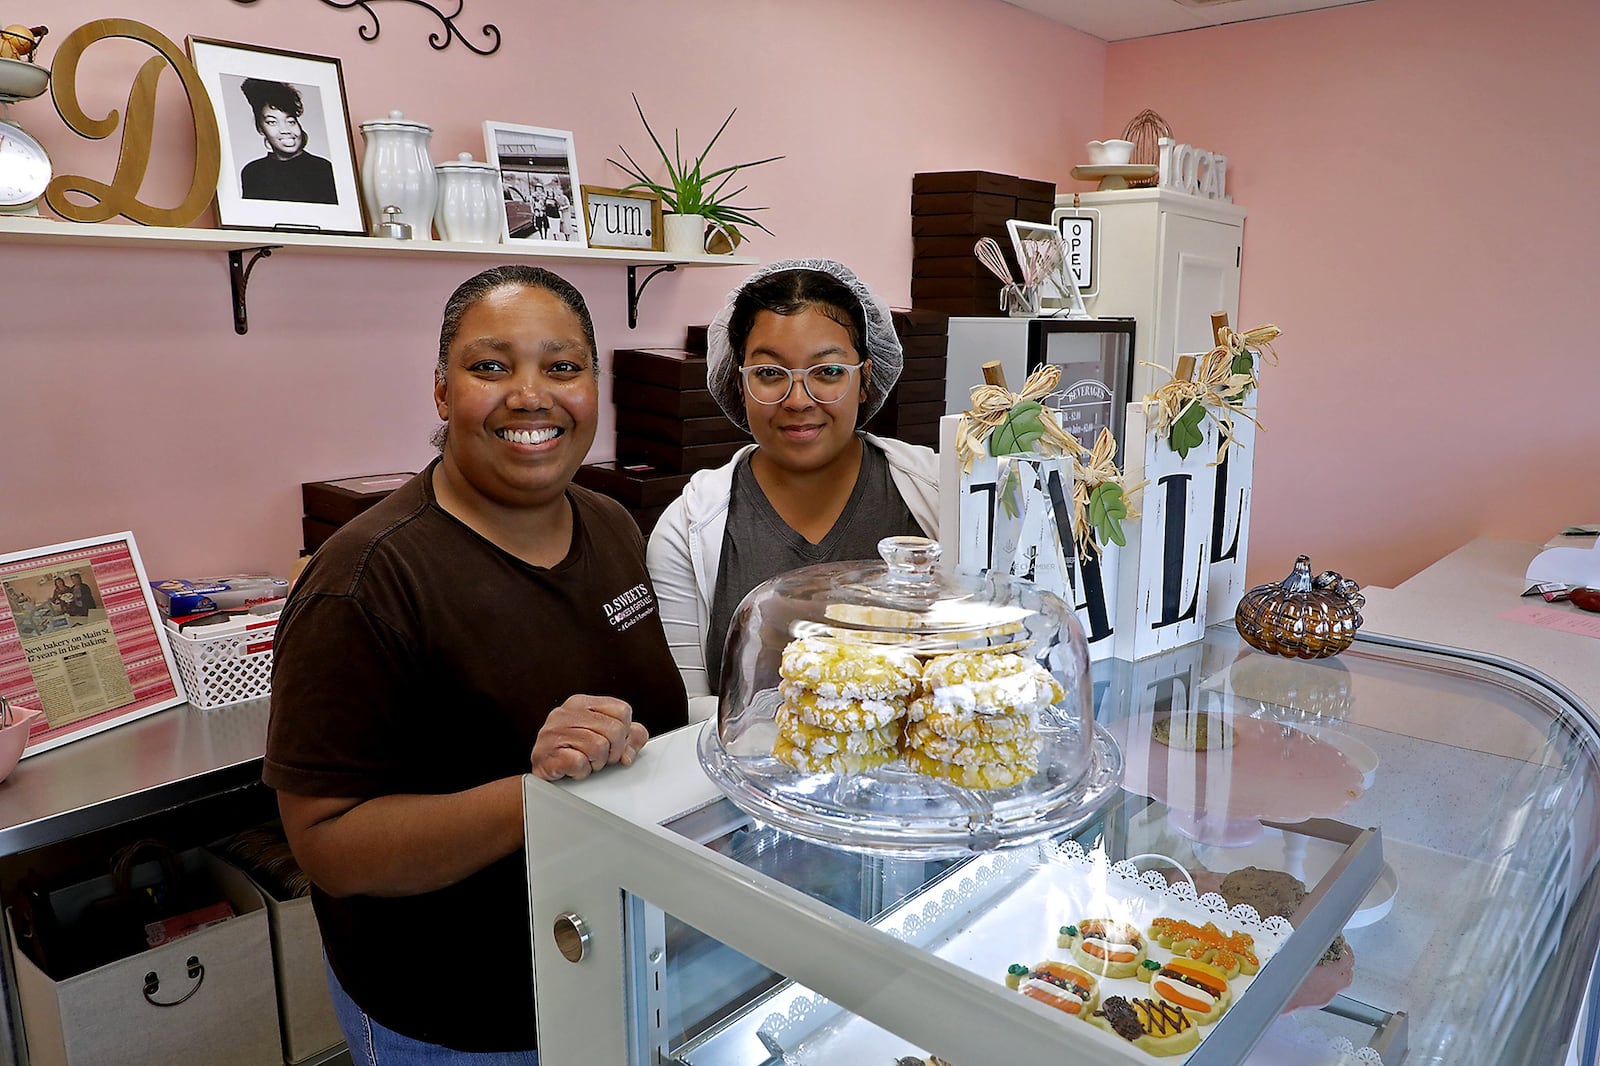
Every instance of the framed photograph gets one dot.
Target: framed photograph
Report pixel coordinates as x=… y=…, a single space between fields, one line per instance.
x=82 y=640
x=288 y=158
x=623 y=218
x=538 y=182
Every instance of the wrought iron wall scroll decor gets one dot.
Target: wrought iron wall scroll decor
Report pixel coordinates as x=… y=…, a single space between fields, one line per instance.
x=439 y=39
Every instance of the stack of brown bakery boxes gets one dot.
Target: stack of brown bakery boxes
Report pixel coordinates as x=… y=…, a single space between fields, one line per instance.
x=912 y=411
x=950 y=210
x=330 y=504
x=668 y=426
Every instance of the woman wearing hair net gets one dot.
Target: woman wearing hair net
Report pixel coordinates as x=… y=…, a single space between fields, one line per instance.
x=801 y=355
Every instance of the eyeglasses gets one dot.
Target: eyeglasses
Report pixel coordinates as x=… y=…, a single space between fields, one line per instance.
x=770 y=384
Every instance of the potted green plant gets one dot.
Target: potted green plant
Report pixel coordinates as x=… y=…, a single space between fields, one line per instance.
x=691 y=189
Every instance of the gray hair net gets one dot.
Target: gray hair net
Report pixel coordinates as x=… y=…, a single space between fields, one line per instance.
x=883 y=346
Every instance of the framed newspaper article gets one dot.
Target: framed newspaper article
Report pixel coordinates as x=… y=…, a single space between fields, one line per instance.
x=82 y=640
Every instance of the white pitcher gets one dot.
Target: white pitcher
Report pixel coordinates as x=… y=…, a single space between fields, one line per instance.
x=396 y=169
x=470 y=207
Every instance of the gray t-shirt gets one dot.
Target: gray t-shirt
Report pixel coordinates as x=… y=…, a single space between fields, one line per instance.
x=758 y=545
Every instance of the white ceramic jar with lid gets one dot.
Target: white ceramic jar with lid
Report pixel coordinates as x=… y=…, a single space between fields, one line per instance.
x=396 y=170
x=470 y=208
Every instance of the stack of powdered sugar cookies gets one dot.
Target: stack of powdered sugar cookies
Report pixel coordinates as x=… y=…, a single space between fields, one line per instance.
x=969 y=718
x=844 y=704
x=974 y=722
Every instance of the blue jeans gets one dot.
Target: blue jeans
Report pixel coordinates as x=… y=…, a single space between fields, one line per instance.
x=373 y=1045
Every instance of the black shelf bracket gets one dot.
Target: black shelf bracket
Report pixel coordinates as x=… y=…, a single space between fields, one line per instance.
x=239 y=278
x=636 y=290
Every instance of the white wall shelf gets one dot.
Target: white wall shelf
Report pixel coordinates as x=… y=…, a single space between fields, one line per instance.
x=237 y=243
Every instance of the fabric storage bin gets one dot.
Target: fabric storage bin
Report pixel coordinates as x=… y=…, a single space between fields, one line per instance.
x=225 y=668
x=305 y=1007
x=204 y=997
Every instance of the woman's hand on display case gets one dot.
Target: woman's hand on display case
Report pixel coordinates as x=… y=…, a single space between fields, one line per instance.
x=585 y=734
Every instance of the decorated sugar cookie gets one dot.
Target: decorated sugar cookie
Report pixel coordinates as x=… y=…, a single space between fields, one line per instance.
x=1198 y=988
x=1056 y=984
x=1105 y=946
x=1233 y=953
x=1148 y=1024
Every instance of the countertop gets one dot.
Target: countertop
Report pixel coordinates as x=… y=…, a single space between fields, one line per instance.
x=171 y=757
x=1460 y=601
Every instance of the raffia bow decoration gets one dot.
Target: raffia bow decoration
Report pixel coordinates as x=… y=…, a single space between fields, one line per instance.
x=1227 y=374
x=1100 y=502
x=1238 y=352
x=1003 y=422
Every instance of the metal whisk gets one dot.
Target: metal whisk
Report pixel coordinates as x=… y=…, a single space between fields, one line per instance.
x=989 y=254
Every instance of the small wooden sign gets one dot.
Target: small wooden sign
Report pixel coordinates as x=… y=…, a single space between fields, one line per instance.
x=620 y=218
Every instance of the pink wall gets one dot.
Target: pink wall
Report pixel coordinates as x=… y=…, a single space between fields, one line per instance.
x=1434 y=380
x=127 y=401
x=1419 y=179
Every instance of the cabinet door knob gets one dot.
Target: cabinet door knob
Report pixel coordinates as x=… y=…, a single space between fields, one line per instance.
x=572 y=936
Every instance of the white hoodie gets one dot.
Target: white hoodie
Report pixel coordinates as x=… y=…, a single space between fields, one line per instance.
x=686 y=549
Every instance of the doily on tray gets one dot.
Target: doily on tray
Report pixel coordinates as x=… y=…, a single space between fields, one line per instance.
x=1316 y=1046
x=1273 y=930
x=908 y=924
x=802 y=1011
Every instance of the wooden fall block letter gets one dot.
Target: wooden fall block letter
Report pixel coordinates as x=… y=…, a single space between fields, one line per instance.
x=1162 y=587
x=1230 y=523
x=1013 y=515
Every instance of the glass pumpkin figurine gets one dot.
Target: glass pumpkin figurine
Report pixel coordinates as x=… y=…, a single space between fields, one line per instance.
x=1302 y=617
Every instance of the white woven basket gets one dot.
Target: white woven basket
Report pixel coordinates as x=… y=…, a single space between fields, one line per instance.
x=228 y=667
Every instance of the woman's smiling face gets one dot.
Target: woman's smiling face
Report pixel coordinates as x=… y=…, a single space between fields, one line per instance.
x=283 y=132
x=800 y=434
x=519 y=396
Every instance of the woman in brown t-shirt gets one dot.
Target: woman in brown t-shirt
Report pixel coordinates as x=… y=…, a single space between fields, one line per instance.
x=488 y=619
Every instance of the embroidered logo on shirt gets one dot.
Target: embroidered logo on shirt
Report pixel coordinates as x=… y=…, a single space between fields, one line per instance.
x=624 y=610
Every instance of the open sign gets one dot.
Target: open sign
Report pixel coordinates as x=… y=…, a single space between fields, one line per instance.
x=1080 y=238
x=1077 y=236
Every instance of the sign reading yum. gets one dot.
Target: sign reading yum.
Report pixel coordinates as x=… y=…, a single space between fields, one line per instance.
x=1187 y=169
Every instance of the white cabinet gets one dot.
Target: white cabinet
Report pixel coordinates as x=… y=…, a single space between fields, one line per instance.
x=1168 y=260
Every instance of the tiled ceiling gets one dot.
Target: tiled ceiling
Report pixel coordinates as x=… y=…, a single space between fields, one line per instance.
x=1121 y=20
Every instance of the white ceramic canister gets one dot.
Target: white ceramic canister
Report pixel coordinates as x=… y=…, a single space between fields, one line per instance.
x=396 y=169
x=470 y=209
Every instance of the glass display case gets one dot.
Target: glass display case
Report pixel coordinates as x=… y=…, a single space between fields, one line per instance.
x=1448 y=844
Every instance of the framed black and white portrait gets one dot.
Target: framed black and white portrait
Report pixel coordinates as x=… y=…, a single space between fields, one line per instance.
x=288 y=158
x=538 y=182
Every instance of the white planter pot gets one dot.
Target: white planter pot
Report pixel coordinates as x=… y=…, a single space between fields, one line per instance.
x=685 y=234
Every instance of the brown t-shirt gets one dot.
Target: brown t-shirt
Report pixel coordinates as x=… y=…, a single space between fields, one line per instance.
x=414 y=656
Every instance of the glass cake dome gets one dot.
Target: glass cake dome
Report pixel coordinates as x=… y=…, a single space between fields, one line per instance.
x=900 y=708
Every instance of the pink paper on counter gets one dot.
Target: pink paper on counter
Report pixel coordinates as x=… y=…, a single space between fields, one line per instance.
x=1561 y=621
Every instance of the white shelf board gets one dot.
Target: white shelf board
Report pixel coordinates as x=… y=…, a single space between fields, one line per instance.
x=25 y=229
